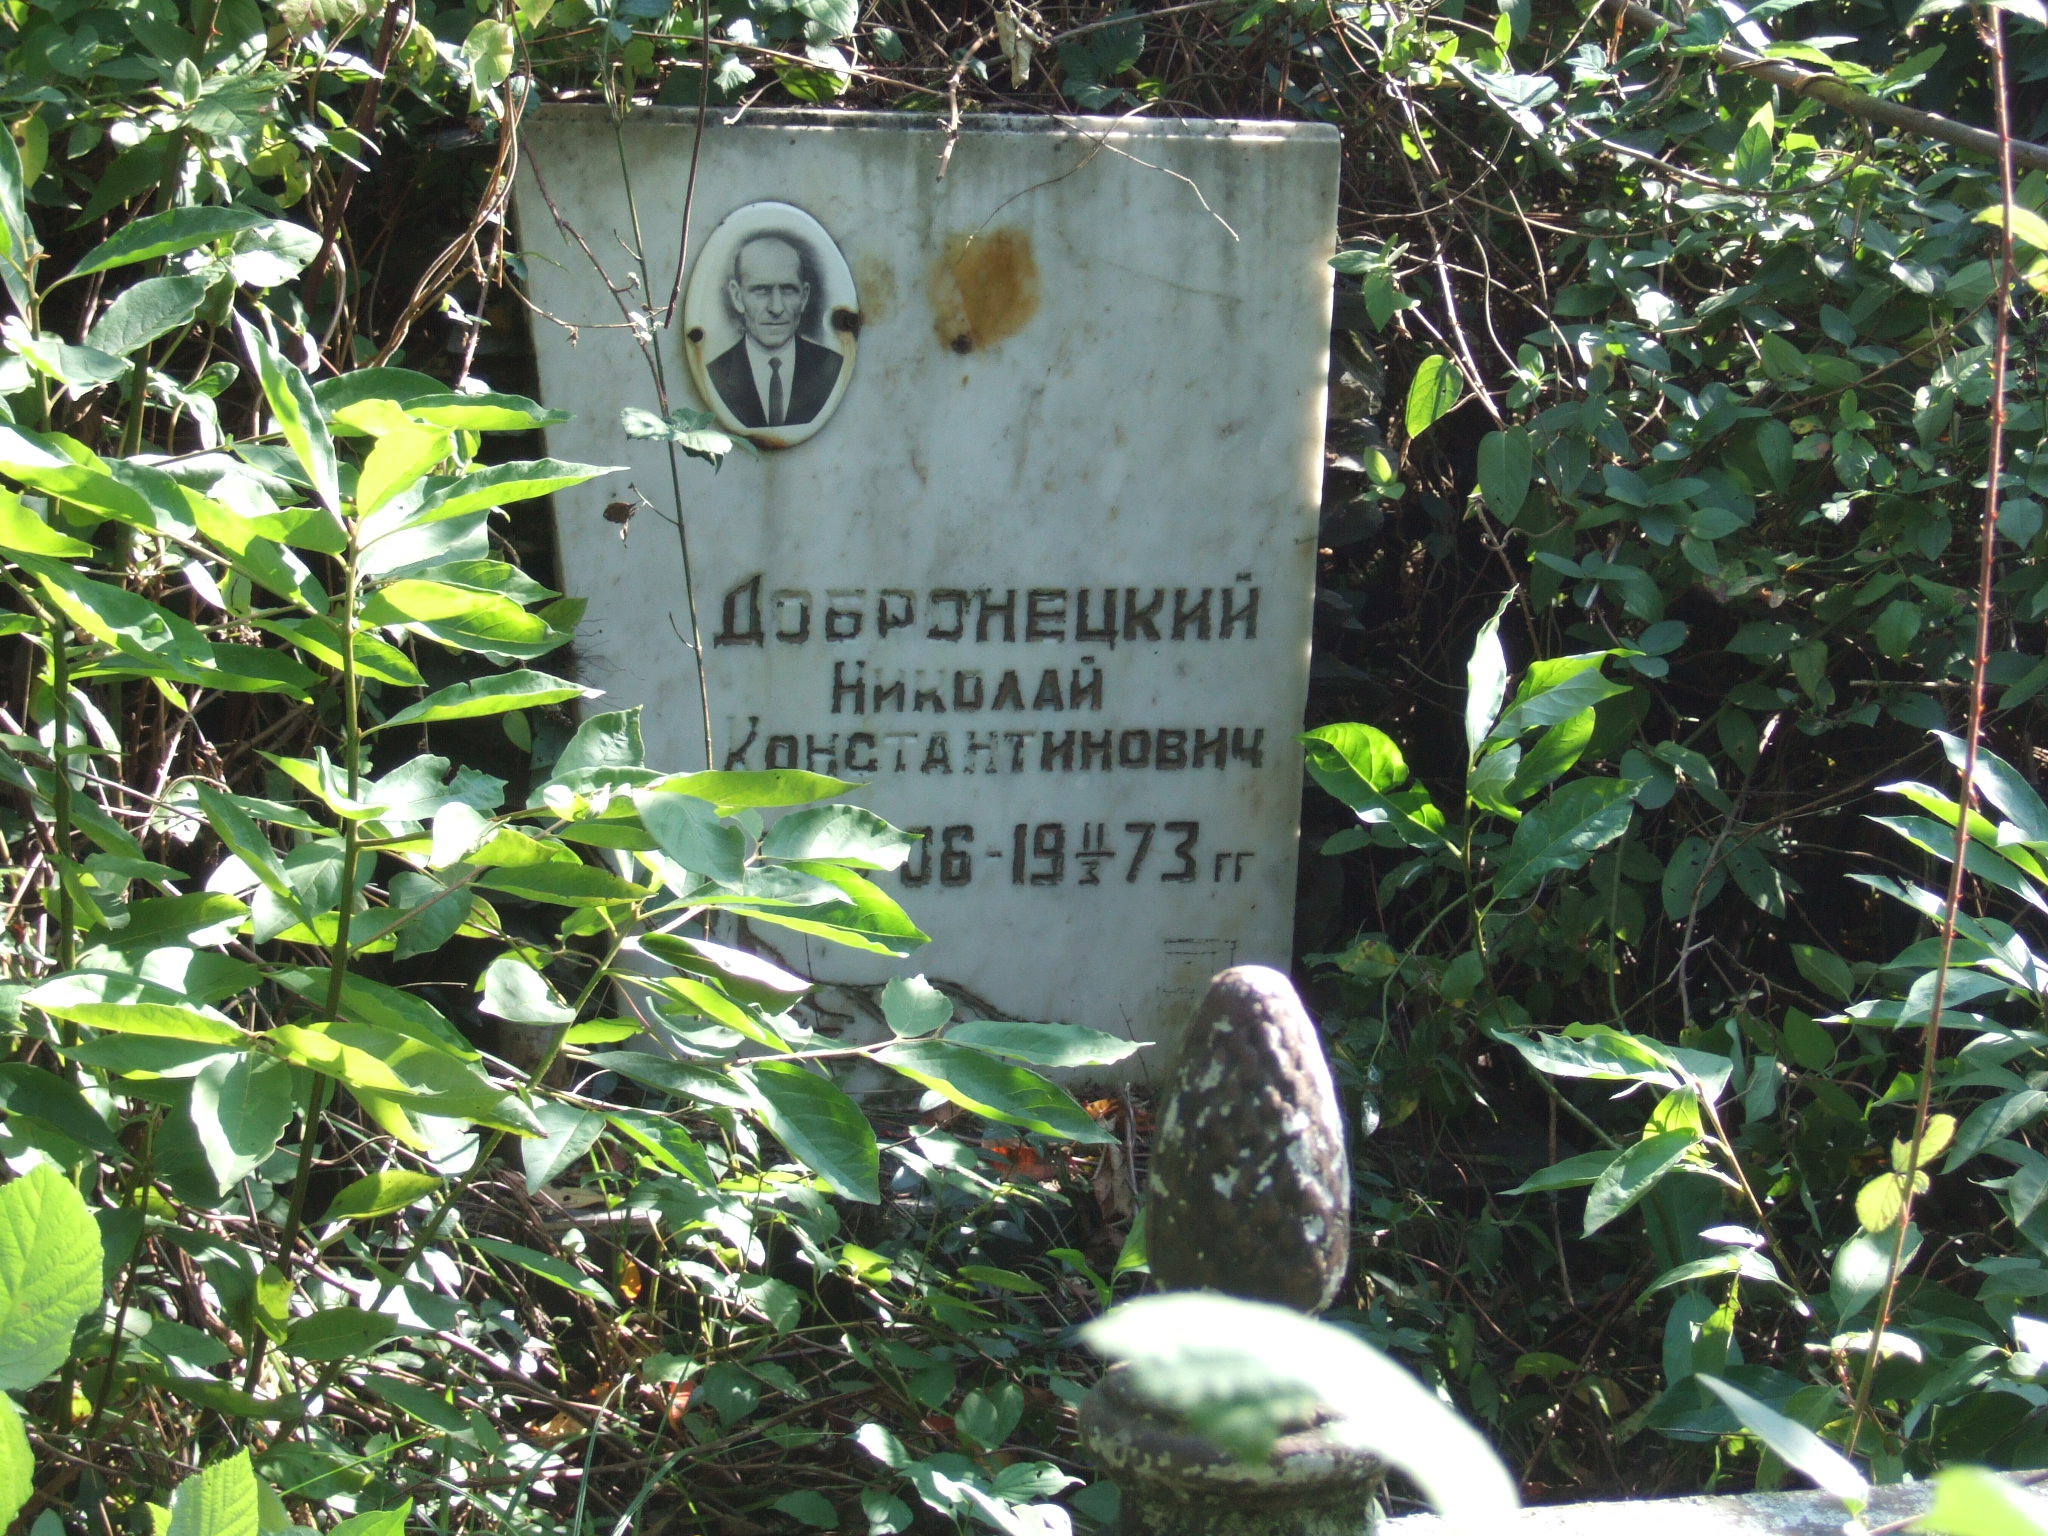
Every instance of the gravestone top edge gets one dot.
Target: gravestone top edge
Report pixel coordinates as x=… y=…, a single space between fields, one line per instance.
x=768 y=119
x=1789 y=1512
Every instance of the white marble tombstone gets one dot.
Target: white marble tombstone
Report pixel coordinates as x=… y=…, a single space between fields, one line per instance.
x=1034 y=563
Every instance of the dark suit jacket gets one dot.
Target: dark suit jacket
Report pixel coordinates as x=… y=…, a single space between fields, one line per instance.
x=817 y=370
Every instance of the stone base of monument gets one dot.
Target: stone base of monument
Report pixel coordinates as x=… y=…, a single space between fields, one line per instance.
x=1175 y=1483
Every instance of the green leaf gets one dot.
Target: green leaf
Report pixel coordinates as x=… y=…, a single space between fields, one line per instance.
x=1688 y=884
x=298 y=415
x=18 y=246
x=1826 y=970
x=1975 y=1501
x=390 y=1522
x=679 y=1079
x=131 y=624
x=322 y=641
x=1941 y=1130
x=35 y=1094
x=364 y=1001
x=488 y=51
x=1436 y=388
x=1242 y=1373
x=1555 y=690
x=1752 y=162
x=1572 y=1173
x=272 y=254
x=2026 y=225
x=1564 y=834
x=1507 y=465
x=395 y=465
x=1994 y=1120
x=486 y=412
x=567 y=1276
x=1860 y=1267
x=1486 y=683
x=2005 y=788
x=695 y=432
x=165 y=1021
x=1895 y=628
x=562 y=885
x=986 y=1416
x=24 y=530
x=149 y=309
x=1799 y=1447
x=381 y=1194
x=913 y=1006
x=339 y=1333
x=515 y=991
x=845 y=833
x=17 y=1462
x=566 y=1133
x=603 y=1031
x=141 y=1054
x=866 y=918
x=746 y=977
x=994 y=1090
x=690 y=832
x=1730 y=1261
x=1043 y=1045
x=603 y=742
x=1809 y=1045
x=1634 y=1174
x=408 y=1073
x=495 y=695
x=240 y=1106
x=434 y=912
x=165 y=234
x=460 y=617
x=1596 y=1051
x=502 y=483
x=1879 y=1202
x=808 y=1508
x=50 y=1274
x=822 y=1128
x=1556 y=750
x=313 y=1047
x=730 y=792
x=1362 y=767
x=79 y=368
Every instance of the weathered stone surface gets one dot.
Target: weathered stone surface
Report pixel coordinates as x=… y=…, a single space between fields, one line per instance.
x=1176 y=1484
x=1250 y=1187
x=1038 y=571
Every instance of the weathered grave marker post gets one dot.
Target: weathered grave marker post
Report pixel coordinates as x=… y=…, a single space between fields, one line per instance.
x=1029 y=539
x=1250 y=1195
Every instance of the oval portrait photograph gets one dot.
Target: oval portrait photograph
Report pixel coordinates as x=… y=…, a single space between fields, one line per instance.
x=769 y=322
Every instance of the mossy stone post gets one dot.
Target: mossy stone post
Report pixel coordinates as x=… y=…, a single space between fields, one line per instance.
x=1250 y=1195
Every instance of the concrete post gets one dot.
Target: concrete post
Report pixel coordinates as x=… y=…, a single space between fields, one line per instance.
x=1250 y=1195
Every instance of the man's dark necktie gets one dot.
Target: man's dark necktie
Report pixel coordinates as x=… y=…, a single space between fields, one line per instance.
x=774 y=391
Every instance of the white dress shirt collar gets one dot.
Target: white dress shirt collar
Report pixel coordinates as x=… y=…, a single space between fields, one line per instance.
x=757 y=359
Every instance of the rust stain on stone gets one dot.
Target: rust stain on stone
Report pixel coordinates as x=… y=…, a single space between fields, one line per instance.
x=983 y=289
x=875 y=280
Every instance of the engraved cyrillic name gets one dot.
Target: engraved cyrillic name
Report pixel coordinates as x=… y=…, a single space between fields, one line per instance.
x=753 y=613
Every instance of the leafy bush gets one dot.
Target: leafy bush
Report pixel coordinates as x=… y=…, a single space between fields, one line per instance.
x=1740 y=431
x=290 y=973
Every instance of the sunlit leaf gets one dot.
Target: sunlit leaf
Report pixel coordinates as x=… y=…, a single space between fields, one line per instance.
x=1799 y=1447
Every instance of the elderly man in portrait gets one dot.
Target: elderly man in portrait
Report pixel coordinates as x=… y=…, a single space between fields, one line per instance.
x=774 y=375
